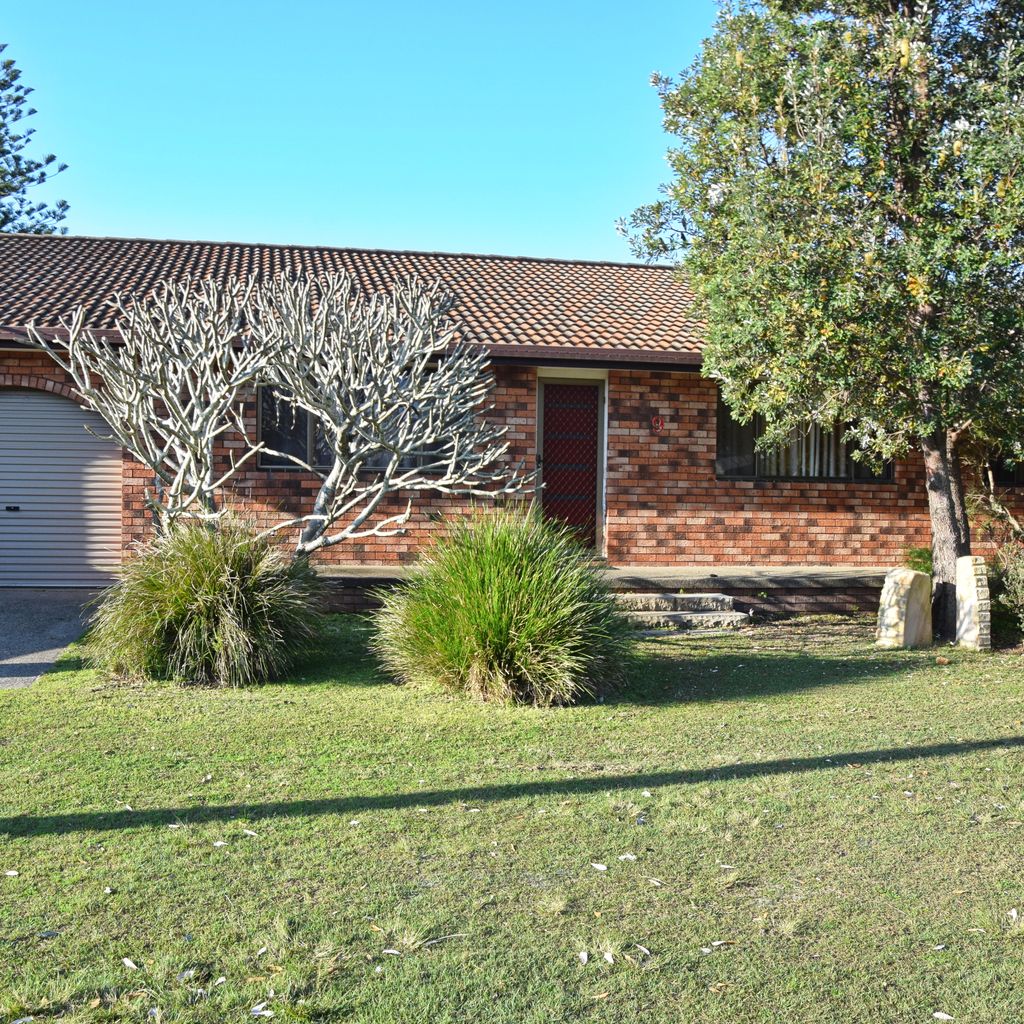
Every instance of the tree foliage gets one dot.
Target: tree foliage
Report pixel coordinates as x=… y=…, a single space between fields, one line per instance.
x=848 y=200
x=20 y=172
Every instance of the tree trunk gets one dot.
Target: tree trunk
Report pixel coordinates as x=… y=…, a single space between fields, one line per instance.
x=956 y=479
x=317 y=526
x=951 y=536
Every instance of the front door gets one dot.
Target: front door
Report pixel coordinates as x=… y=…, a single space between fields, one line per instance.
x=570 y=436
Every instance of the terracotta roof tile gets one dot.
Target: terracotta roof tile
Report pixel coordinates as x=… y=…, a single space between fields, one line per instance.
x=521 y=305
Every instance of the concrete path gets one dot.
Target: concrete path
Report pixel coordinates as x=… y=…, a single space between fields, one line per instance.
x=35 y=627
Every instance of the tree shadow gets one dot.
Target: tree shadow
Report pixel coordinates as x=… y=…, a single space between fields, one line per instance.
x=27 y=825
x=1007 y=634
x=33 y=669
x=39 y=621
x=770 y=660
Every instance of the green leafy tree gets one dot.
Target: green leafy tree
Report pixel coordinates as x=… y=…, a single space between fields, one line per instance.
x=848 y=200
x=20 y=172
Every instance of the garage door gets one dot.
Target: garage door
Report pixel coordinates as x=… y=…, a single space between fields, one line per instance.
x=60 y=494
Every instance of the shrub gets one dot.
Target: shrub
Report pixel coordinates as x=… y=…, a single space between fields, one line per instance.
x=1010 y=580
x=919 y=559
x=508 y=607
x=207 y=606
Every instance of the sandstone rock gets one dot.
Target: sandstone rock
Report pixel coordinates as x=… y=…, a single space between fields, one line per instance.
x=905 y=610
x=973 y=604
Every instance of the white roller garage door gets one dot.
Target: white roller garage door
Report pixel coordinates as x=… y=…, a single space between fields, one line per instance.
x=60 y=494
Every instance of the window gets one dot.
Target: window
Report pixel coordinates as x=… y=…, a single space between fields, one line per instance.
x=817 y=453
x=1007 y=475
x=289 y=430
x=292 y=431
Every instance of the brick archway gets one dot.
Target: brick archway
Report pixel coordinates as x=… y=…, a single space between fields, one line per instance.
x=34 y=371
x=23 y=383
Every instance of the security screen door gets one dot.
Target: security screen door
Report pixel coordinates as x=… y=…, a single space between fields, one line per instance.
x=570 y=435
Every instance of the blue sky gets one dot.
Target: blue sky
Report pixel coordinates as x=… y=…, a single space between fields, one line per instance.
x=520 y=128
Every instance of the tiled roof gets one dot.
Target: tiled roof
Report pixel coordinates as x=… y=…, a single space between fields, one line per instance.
x=522 y=306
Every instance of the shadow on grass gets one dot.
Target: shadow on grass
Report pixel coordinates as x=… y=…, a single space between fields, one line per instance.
x=1006 y=629
x=734 y=671
x=770 y=660
x=73 y=660
x=103 y=821
x=342 y=657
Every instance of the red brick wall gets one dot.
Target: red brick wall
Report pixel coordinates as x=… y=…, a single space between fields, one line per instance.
x=664 y=505
x=269 y=495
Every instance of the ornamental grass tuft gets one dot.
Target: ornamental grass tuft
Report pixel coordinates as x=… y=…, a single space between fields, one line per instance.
x=1009 y=581
x=507 y=607
x=209 y=606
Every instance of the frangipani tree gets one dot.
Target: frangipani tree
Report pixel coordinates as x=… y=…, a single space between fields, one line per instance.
x=398 y=397
x=171 y=385
x=848 y=200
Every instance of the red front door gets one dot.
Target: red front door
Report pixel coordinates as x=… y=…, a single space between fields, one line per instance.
x=569 y=455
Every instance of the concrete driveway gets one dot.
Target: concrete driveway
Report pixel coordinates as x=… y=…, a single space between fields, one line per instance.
x=35 y=627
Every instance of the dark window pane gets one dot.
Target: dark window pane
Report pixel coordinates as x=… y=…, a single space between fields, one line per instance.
x=381 y=460
x=283 y=427
x=378 y=462
x=864 y=471
x=1007 y=475
x=323 y=454
x=736 y=455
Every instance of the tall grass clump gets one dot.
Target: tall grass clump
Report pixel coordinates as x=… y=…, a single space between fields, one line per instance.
x=211 y=606
x=1008 y=583
x=507 y=607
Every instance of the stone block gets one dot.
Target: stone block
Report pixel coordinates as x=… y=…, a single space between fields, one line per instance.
x=905 y=610
x=973 y=604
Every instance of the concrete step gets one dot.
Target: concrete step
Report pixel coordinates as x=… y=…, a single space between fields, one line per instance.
x=666 y=602
x=689 y=620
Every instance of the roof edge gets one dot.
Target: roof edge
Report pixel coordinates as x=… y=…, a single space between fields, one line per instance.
x=575 y=355
x=16 y=337
x=633 y=265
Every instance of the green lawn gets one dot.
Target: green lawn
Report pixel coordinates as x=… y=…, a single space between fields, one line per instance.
x=794 y=827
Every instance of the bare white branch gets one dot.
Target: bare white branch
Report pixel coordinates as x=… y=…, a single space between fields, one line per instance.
x=400 y=400
x=170 y=385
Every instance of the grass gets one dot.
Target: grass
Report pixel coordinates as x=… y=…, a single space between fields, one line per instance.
x=821 y=832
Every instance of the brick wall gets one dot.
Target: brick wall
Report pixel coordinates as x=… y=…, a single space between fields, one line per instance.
x=664 y=505
x=267 y=496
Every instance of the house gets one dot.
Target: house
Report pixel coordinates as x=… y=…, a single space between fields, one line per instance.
x=597 y=378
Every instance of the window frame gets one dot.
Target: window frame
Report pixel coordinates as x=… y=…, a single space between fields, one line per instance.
x=286 y=465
